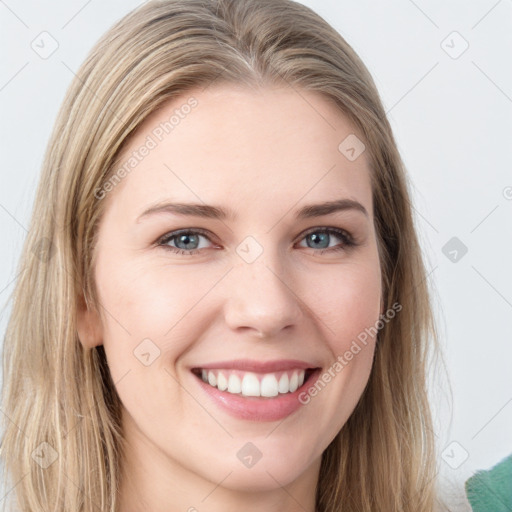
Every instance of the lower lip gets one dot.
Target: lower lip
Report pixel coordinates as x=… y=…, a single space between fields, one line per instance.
x=258 y=408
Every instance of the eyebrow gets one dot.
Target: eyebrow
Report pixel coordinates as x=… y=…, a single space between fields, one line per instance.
x=217 y=212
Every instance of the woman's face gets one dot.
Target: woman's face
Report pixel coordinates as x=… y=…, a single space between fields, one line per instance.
x=237 y=286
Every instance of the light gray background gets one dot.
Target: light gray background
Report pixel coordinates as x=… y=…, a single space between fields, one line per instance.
x=452 y=116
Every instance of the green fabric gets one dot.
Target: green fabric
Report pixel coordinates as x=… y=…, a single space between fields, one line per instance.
x=491 y=490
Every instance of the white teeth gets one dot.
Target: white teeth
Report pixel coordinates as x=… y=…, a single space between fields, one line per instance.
x=269 y=386
x=294 y=382
x=250 y=384
x=222 y=382
x=284 y=383
x=234 y=384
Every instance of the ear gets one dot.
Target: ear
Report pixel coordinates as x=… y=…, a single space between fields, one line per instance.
x=88 y=325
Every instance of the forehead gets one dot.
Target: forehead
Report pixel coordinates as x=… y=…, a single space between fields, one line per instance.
x=258 y=150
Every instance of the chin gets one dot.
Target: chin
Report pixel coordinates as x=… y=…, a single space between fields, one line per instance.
x=272 y=467
x=260 y=478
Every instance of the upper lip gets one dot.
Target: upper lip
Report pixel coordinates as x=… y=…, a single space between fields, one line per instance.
x=252 y=365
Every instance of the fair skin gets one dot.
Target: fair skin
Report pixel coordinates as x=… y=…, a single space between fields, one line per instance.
x=263 y=153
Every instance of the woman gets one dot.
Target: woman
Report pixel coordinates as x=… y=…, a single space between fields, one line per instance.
x=223 y=302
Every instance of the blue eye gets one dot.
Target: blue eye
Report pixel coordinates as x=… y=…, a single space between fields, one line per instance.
x=187 y=241
x=322 y=241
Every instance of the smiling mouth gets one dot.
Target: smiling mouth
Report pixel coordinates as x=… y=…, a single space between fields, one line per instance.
x=252 y=384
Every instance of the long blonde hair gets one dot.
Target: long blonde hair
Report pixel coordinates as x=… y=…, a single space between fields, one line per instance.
x=62 y=442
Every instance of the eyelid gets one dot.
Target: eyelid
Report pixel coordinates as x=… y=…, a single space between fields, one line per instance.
x=340 y=232
x=175 y=233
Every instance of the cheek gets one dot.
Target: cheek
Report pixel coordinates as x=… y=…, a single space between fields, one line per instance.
x=156 y=302
x=348 y=302
x=151 y=315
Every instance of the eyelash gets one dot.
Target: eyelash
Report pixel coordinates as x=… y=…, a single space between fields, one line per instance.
x=348 y=241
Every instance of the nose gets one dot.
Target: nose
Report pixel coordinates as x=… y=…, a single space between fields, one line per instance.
x=261 y=301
